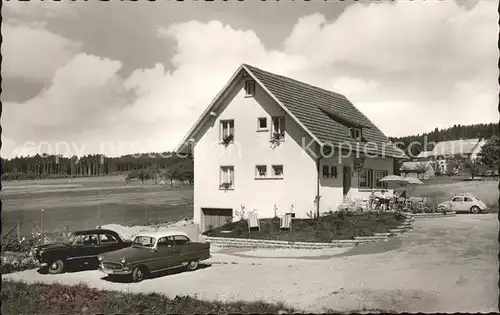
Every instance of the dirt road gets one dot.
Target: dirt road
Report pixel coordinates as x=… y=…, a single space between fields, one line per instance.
x=442 y=265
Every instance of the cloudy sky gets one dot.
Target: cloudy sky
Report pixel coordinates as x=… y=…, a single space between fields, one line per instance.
x=128 y=77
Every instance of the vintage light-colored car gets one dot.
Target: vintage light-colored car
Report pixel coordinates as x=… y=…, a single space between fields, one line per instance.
x=154 y=252
x=463 y=203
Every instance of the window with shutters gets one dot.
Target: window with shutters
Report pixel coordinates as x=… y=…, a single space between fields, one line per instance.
x=330 y=171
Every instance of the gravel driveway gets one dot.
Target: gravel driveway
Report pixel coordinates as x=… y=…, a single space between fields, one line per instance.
x=444 y=264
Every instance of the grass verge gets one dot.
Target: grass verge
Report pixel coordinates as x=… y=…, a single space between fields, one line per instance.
x=336 y=226
x=22 y=298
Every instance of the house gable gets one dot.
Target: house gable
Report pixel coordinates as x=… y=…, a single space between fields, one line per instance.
x=325 y=116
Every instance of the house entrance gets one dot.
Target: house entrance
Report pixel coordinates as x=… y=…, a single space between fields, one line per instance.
x=346 y=176
x=215 y=217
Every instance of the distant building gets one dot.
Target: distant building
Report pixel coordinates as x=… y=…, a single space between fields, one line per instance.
x=424 y=156
x=417 y=169
x=467 y=149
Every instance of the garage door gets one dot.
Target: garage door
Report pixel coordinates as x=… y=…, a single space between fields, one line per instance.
x=216 y=217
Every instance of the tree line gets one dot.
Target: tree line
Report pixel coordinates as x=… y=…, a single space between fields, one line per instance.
x=54 y=166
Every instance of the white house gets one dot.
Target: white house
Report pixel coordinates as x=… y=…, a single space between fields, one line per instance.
x=465 y=148
x=270 y=143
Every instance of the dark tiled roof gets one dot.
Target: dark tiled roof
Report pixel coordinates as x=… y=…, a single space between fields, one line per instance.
x=314 y=108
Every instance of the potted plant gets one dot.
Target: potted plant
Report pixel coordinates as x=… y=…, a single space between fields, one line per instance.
x=226 y=140
x=277 y=137
x=226 y=186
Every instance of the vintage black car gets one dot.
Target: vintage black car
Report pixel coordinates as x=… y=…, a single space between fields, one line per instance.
x=80 y=249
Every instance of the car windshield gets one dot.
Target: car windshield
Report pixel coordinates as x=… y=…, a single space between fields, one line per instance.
x=144 y=241
x=72 y=238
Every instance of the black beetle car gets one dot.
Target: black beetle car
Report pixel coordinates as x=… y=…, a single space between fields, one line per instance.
x=81 y=248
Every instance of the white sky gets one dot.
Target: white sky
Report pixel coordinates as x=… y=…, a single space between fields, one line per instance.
x=126 y=77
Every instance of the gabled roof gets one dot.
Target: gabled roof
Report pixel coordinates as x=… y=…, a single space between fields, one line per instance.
x=455 y=147
x=414 y=166
x=325 y=115
x=424 y=154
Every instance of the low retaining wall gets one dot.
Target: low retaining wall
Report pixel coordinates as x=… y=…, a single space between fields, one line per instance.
x=226 y=242
x=434 y=215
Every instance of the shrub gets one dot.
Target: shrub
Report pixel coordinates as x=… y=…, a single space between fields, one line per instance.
x=341 y=214
x=398 y=216
x=14 y=263
x=238 y=231
x=325 y=235
x=23 y=298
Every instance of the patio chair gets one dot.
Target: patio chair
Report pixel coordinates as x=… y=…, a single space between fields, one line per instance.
x=286 y=221
x=253 y=222
x=359 y=204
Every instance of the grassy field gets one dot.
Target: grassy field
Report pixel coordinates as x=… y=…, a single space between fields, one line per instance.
x=21 y=298
x=87 y=202
x=442 y=189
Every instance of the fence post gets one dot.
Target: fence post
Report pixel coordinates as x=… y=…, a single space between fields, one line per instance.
x=99 y=215
x=41 y=226
x=18 y=230
x=147 y=221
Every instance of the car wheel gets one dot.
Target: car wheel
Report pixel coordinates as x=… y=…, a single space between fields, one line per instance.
x=475 y=209
x=56 y=267
x=138 y=274
x=192 y=265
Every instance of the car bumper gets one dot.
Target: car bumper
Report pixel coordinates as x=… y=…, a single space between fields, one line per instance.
x=115 y=271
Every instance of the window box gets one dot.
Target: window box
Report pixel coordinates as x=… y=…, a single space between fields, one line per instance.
x=226 y=178
x=227 y=131
x=278 y=129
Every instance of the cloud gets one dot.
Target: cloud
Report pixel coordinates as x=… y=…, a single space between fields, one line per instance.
x=408 y=67
x=41 y=10
x=34 y=54
x=355 y=89
x=417 y=35
x=85 y=93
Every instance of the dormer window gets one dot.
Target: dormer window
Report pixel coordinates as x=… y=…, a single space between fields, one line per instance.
x=249 y=88
x=355 y=133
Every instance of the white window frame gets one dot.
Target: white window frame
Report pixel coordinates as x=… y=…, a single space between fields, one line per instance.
x=363 y=174
x=225 y=128
x=258 y=173
x=249 y=88
x=281 y=126
x=377 y=175
x=273 y=167
x=226 y=176
x=259 y=127
x=357 y=133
